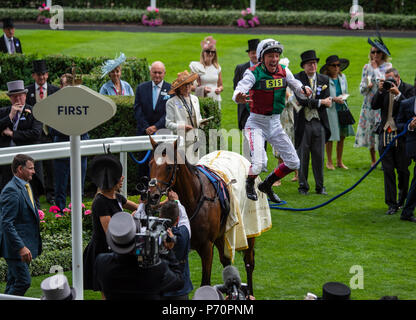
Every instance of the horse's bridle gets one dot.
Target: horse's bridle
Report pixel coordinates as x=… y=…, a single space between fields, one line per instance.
x=154 y=182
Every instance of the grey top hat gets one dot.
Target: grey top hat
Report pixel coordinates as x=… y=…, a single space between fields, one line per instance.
x=57 y=288
x=15 y=87
x=121 y=233
x=207 y=293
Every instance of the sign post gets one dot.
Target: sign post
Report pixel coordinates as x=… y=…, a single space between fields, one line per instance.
x=75 y=110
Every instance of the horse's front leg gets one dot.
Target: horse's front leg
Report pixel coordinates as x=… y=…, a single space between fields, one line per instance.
x=249 y=263
x=206 y=253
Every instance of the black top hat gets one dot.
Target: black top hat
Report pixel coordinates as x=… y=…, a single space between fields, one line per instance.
x=252 y=44
x=105 y=171
x=344 y=63
x=379 y=44
x=308 y=56
x=8 y=23
x=39 y=66
x=335 y=291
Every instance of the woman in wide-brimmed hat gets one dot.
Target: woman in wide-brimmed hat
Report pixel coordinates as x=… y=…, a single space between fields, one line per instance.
x=209 y=82
x=106 y=174
x=373 y=71
x=182 y=111
x=338 y=86
x=115 y=86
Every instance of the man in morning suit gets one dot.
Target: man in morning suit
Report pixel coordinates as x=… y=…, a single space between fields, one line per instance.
x=244 y=109
x=407 y=113
x=20 y=240
x=150 y=107
x=8 y=42
x=38 y=91
x=311 y=123
x=388 y=101
x=18 y=127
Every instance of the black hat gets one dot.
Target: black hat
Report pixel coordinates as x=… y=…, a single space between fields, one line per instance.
x=105 y=171
x=39 y=66
x=335 y=291
x=308 y=56
x=8 y=23
x=252 y=44
x=344 y=63
x=379 y=44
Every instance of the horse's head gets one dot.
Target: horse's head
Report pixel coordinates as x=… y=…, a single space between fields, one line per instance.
x=163 y=169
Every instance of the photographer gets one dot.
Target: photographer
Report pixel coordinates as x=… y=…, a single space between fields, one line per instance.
x=118 y=273
x=390 y=92
x=181 y=230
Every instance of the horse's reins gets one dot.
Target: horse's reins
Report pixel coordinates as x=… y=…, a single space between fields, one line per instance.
x=154 y=182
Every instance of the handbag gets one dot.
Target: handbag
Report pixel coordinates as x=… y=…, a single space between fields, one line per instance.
x=345 y=117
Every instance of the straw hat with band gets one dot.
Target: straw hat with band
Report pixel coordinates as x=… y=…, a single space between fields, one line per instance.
x=344 y=63
x=183 y=78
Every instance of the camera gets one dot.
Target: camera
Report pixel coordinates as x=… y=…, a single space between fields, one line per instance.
x=150 y=236
x=388 y=83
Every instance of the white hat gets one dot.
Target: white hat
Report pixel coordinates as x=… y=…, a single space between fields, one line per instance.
x=15 y=87
x=207 y=293
x=266 y=45
x=57 y=288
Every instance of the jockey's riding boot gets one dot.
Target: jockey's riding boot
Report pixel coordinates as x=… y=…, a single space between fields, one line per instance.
x=266 y=187
x=251 y=193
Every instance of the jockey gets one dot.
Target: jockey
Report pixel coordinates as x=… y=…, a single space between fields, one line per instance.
x=266 y=85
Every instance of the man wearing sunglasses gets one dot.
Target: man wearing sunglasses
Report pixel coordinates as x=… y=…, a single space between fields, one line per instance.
x=264 y=88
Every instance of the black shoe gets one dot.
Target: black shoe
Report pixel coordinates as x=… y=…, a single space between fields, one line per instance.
x=303 y=191
x=251 y=193
x=411 y=219
x=266 y=187
x=392 y=210
x=322 y=191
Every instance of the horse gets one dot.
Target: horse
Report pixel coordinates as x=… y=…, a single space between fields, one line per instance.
x=200 y=199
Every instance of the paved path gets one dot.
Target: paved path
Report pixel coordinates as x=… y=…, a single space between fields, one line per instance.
x=225 y=29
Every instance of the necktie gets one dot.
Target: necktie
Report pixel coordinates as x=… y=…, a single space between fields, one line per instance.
x=41 y=93
x=29 y=191
x=12 y=48
x=155 y=96
x=16 y=117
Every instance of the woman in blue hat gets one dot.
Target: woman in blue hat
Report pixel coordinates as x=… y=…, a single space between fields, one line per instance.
x=115 y=86
x=369 y=118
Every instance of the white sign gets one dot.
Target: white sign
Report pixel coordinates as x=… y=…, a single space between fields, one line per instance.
x=74 y=110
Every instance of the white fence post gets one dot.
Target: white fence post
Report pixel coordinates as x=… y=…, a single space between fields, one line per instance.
x=153 y=3
x=253 y=6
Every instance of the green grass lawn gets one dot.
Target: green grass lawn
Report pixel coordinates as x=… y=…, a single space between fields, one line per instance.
x=303 y=250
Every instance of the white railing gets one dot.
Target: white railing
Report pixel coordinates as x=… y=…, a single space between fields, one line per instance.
x=91 y=147
x=11 y=297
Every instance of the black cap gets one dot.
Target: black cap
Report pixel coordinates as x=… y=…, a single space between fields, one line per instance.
x=8 y=23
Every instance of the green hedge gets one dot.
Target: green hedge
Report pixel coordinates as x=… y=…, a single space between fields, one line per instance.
x=387 y=6
x=222 y=17
x=18 y=66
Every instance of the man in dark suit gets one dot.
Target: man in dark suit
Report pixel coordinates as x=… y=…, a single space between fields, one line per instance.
x=18 y=127
x=407 y=113
x=311 y=123
x=150 y=107
x=20 y=240
x=8 y=42
x=389 y=103
x=244 y=109
x=36 y=92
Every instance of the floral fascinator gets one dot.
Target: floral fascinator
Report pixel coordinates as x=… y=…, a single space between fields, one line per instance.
x=208 y=43
x=110 y=65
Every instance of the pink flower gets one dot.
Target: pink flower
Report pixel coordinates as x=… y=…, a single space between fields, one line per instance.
x=149 y=8
x=156 y=10
x=243 y=12
x=43 y=5
x=346 y=25
x=83 y=205
x=66 y=210
x=251 y=23
x=248 y=10
x=54 y=209
x=87 y=212
x=41 y=214
x=43 y=221
x=70 y=205
x=47 y=20
x=58 y=216
x=241 y=22
x=256 y=20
